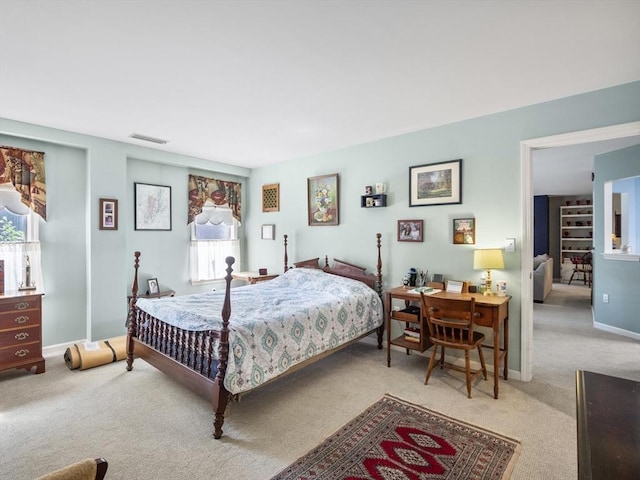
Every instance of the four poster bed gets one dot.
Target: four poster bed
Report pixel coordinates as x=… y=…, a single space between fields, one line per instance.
x=224 y=344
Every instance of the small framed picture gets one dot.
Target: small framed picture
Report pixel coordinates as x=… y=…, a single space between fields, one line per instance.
x=464 y=231
x=153 y=286
x=410 y=230
x=108 y=214
x=268 y=232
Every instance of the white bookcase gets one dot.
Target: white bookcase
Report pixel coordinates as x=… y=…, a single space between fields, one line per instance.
x=576 y=233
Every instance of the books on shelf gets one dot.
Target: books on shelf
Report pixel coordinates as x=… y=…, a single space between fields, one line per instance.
x=412 y=334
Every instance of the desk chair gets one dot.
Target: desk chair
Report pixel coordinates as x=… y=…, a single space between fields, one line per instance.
x=451 y=326
x=582 y=265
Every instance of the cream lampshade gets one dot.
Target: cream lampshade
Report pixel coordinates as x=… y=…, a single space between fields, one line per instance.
x=488 y=259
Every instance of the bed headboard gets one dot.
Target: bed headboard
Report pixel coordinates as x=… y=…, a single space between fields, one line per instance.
x=342 y=268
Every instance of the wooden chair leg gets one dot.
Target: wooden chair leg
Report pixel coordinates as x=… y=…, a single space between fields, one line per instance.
x=467 y=364
x=432 y=363
x=484 y=368
x=442 y=357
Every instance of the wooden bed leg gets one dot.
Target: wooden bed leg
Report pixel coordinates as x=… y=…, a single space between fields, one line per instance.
x=131 y=316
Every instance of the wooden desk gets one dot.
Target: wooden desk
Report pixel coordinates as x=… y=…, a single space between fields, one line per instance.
x=608 y=427
x=252 y=277
x=493 y=310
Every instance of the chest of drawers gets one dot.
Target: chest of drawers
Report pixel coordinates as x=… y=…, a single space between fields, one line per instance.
x=21 y=331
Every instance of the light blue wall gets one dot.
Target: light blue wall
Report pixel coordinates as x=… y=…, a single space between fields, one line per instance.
x=618 y=279
x=98 y=264
x=88 y=271
x=490 y=149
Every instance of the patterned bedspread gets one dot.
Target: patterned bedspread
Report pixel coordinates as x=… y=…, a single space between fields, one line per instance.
x=277 y=324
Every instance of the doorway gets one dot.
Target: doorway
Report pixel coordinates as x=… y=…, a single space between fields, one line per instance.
x=527 y=149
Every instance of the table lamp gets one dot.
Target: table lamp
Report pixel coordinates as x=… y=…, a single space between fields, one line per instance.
x=488 y=259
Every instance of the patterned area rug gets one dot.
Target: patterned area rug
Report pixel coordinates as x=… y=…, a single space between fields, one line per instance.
x=394 y=439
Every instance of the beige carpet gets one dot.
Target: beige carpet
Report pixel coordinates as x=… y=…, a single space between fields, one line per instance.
x=148 y=427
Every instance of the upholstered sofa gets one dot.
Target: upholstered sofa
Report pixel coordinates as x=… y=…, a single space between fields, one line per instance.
x=542 y=277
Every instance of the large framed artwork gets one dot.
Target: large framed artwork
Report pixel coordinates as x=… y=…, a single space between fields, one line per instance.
x=152 y=207
x=435 y=184
x=322 y=200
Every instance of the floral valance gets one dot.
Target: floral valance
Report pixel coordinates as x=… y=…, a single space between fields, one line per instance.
x=25 y=170
x=220 y=192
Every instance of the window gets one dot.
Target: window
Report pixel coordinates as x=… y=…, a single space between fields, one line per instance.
x=19 y=239
x=214 y=237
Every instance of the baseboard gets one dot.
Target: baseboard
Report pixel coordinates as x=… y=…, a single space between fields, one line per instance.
x=59 y=349
x=616 y=330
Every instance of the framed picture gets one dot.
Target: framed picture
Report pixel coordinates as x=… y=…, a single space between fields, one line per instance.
x=435 y=184
x=108 y=214
x=322 y=200
x=410 y=230
x=152 y=207
x=464 y=231
x=268 y=232
x=153 y=286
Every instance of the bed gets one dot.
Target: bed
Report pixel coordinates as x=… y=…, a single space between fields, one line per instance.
x=224 y=344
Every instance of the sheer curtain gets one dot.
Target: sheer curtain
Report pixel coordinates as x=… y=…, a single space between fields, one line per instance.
x=207 y=258
x=14 y=256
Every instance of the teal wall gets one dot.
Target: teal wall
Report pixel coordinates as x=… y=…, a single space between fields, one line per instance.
x=92 y=271
x=618 y=279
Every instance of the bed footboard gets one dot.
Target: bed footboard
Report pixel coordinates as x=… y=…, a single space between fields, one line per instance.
x=187 y=356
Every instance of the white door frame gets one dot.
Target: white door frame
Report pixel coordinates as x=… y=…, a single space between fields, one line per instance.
x=526 y=155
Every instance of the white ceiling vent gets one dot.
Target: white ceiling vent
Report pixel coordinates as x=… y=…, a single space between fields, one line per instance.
x=147 y=138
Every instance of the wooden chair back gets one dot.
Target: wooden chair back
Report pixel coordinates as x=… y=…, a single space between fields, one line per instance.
x=450 y=321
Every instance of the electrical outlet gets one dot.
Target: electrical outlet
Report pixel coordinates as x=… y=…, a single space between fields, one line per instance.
x=605 y=298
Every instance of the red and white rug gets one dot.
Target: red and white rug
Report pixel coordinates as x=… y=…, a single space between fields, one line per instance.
x=394 y=439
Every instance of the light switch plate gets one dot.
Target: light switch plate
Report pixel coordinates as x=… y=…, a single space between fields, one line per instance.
x=510 y=245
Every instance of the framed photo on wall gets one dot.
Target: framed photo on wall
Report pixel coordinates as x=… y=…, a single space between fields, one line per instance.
x=152 y=206
x=464 y=231
x=435 y=184
x=410 y=230
x=322 y=200
x=268 y=232
x=108 y=214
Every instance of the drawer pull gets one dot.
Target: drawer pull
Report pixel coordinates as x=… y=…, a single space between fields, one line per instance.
x=22 y=353
x=22 y=305
x=22 y=336
x=22 y=319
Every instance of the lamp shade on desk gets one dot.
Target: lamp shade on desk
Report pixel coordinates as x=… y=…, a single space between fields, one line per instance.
x=488 y=259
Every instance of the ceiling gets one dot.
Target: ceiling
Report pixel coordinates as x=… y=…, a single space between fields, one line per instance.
x=253 y=83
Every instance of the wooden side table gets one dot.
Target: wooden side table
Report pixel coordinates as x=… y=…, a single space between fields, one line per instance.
x=252 y=277
x=166 y=293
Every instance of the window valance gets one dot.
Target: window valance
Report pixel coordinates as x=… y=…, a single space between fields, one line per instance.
x=25 y=170
x=220 y=192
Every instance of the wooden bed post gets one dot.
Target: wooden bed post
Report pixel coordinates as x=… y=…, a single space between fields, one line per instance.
x=379 y=288
x=286 y=256
x=223 y=354
x=131 y=317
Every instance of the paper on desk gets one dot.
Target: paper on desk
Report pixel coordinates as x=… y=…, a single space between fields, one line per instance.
x=425 y=290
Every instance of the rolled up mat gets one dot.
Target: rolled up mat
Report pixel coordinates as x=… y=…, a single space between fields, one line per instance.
x=93 y=354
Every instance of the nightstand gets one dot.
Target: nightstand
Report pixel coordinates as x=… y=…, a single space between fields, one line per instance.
x=252 y=277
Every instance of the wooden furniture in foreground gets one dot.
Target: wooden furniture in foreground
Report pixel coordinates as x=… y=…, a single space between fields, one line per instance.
x=252 y=277
x=608 y=427
x=493 y=312
x=21 y=331
x=451 y=326
x=88 y=469
x=164 y=346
